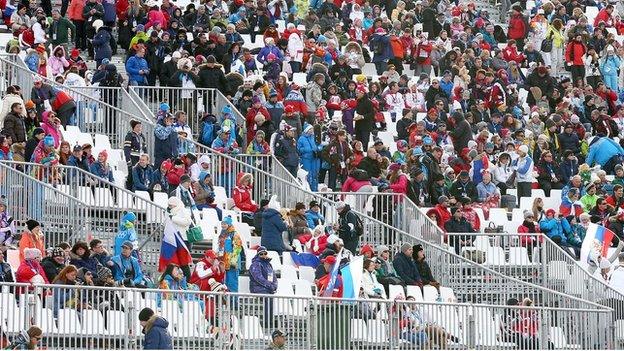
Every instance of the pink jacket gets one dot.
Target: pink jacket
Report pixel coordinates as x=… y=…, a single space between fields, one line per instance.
x=400 y=185
x=58 y=64
x=156 y=16
x=352 y=185
x=52 y=130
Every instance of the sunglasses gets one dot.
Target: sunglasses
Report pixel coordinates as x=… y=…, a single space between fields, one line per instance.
x=263 y=254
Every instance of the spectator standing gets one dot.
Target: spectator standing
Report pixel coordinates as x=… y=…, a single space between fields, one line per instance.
x=230 y=247
x=32 y=238
x=274 y=229
x=262 y=280
x=166 y=141
x=349 y=226
x=364 y=116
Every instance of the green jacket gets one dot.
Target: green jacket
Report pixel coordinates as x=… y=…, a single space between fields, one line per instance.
x=139 y=36
x=589 y=201
x=58 y=31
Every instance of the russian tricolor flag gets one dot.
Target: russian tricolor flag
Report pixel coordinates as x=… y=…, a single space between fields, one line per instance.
x=352 y=277
x=596 y=243
x=172 y=248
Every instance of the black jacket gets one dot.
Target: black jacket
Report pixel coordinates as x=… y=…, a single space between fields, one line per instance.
x=425 y=272
x=406 y=269
x=15 y=128
x=462 y=133
x=416 y=190
x=372 y=167
x=212 y=78
x=51 y=268
x=365 y=108
x=166 y=72
x=458 y=190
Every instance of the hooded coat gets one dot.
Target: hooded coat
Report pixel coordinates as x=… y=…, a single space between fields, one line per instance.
x=101 y=44
x=308 y=150
x=272 y=228
x=58 y=64
x=262 y=279
x=156 y=335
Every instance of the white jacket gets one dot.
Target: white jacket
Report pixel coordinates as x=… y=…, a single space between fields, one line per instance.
x=7 y=101
x=370 y=283
x=181 y=217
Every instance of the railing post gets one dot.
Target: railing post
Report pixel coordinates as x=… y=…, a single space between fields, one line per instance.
x=131 y=339
x=472 y=329
x=544 y=326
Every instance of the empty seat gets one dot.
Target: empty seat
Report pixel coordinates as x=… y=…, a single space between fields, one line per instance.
x=93 y=323
x=104 y=198
x=102 y=142
x=394 y=291
x=495 y=256
x=288 y=272
x=251 y=329
x=519 y=256
x=560 y=341
x=68 y=322
x=85 y=195
x=430 y=293
x=243 y=284
x=377 y=332
x=307 y=273
x=413 y=290
x=45 y=321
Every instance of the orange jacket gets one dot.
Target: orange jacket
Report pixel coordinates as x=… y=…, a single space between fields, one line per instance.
x=29 y=240
x=74 y=12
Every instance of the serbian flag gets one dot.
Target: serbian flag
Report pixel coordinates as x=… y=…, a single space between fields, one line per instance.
x=352 y=278
x=596 y=243
x=304 y=259
x=172 y=248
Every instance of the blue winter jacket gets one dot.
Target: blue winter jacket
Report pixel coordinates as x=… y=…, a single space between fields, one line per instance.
x=314 y=218
x=120 y=262
x=101 y=44
x=272 y=228
x=165 y=144
x=142 y=177
x=306 y=146
x=262 y=279
x=555 y=227
x=156 y=335
x=602 y=150
x=265 y=51
x=383 y=40
x=609 y=65
x=110 y=13
x=133 y=66
x=98 y=170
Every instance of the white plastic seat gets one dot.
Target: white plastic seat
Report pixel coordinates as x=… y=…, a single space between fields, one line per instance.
x=498 y=216
x=359 y=331
x=276 y=261
x=394 y=291
x=517 y=214
x=447 y=294
x=281 y=305
x=377 y=332
x=249 y=255
x=86 y=195
x=481 y=242
x=161 y=198
x=619 y=330
x=125 y=200
x=303 y=288
x=251 y=329
x=171 y=312
x=519 y=256
x=559 y=340
x=486 y=330
x=556 y=193
x=413 y=290
x=117 y=323
x=243 y=284
x=45 y=321
x=288 y=272
x=102 y=142
x=307 y=273
x=495 y=256
x=104 y=198
x=430 y=294
x=192 y=321
x=526 y=203
x=243 y=230
x=11 y=317
x=68 y=322
x=85 y=138
x=93 y=323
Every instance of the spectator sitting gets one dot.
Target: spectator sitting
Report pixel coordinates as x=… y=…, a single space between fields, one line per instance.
x=298 y=221
x=314 y=215
x=30 y=270
x=405 y=266
x=205 y=195
x=99 y=253
x=242 y=193
x=459 y=224
x=77 y=159
x=142 y=174
x=67 y=297
x=418 y=255
x=101 y=168
x=81 y=258
x=6 y=274
x=126 y=269
x=27 y=340
x=372 y=288
x=173 y=279
x=317 y=242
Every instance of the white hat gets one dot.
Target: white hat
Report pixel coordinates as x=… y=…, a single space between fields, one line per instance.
x=176 y=55
x=332 y=239
x=97 y=24
x=524 y=149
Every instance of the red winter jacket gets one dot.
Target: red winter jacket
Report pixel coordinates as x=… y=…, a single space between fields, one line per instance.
x=510 y=53
x=242 y=196
x=517 y=27
x=527 y=240
x=574 y=53
x=444 y=215
x=174 y=175
x=603 y=16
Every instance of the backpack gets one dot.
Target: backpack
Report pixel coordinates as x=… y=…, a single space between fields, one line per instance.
x=209 y=131
x=111 y=80
x=359 y=226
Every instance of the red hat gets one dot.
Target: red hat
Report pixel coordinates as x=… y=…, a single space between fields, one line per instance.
x=210 y=254
x=289 y=109
x=367 y=248
x=550 y=212
x=329 y=259
x=200 y=59
x=75 y=53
